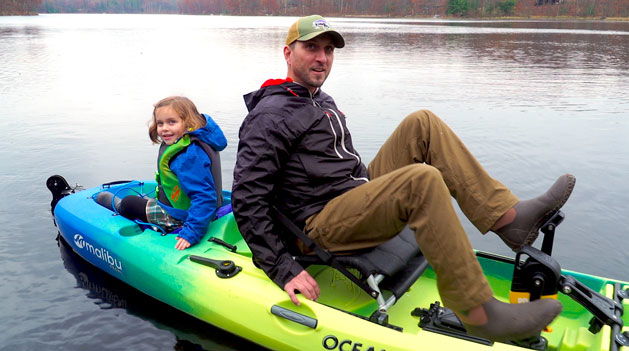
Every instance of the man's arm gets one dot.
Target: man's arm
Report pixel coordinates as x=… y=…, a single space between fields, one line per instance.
x=264 y=147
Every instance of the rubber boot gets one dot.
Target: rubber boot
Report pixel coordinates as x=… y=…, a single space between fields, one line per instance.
x=511 y=322
x=104 y=199
x=531 y=214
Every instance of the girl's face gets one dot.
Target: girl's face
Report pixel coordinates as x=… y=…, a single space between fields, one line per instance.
x=170 y=126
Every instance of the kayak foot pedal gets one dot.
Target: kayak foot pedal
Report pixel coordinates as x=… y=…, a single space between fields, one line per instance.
x=548 y=228
x=224 y=268
x=534 y=343
x=442 y=320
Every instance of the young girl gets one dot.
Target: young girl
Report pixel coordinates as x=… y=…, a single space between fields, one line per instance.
x=187 y=198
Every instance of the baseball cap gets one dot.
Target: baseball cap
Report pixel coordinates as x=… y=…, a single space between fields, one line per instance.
x=306 y=28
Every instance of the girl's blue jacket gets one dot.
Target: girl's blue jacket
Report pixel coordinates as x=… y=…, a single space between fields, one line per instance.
x=193 y=169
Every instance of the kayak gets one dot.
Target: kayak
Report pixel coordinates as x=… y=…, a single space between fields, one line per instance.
x=217 y=282
x=110 y=293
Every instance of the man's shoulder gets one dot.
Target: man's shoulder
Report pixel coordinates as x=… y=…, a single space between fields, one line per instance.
x=284 y=109
x=273 y=104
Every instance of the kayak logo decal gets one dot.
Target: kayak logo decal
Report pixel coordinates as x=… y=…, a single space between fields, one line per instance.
x=331 y=342
x=99 y=252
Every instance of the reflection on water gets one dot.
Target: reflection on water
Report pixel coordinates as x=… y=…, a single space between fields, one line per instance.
x=532 y=99
x=107 y=292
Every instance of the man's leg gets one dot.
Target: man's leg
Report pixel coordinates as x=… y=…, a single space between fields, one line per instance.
x=422 y=137
x=415 y=195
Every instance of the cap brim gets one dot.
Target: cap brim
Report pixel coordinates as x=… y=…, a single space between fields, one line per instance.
x=337 y=38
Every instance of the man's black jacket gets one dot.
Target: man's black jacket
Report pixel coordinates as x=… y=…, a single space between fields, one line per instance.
x=296 y=153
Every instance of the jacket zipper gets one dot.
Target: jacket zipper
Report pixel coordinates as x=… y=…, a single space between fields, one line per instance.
x=338 y=120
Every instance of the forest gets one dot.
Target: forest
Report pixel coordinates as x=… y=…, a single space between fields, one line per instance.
x=354 y=8
x=19 y=7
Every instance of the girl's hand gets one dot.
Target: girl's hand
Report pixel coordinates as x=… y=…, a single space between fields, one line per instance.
x=182 y=244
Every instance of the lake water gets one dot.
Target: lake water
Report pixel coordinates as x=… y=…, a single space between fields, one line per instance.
x=532 y=100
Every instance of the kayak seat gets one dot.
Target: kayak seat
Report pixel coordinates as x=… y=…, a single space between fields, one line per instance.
x=384 y=272
x=399 y=261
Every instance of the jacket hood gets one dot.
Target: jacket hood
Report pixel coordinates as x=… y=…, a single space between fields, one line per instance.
x=211 y=134
x=276 y=87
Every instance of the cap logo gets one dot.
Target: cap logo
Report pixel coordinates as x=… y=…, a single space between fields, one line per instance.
x=320 y=24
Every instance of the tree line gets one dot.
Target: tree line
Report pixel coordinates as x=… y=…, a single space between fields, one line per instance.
x=110 y=6
x=250 y=7
x=375 y=8
x=19 y=7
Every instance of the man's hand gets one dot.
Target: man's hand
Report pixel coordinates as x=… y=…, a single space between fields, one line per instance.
x=303 y=283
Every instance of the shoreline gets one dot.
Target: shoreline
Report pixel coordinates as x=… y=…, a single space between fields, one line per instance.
x=438 y=17
x=19 y=13
x=550 y=19
x=498 y=18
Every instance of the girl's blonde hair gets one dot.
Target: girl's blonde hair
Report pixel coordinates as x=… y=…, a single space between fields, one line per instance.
x=184 y=108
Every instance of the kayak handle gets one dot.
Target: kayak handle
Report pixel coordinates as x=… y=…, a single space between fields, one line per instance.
x=115 y=182
x=294 y=316
x=224 y=268
x=218 y=241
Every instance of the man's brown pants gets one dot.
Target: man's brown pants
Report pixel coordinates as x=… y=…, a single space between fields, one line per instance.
x=414 y=176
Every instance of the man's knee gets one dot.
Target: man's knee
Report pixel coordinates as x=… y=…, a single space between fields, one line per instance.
x=424 y=173
x=419 y=116
x=425 y=179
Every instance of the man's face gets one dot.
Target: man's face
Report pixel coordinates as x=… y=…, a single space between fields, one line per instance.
x=310 y=62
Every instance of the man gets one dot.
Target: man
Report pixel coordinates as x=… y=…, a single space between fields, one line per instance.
x=296 y=153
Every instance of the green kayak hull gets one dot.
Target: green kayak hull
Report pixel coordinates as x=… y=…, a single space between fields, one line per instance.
x=243 y=301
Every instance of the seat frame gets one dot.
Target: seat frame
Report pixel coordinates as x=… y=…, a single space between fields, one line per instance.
x=393 y=266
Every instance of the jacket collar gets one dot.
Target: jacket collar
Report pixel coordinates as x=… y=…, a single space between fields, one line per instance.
x=290 y=86
x=280 y=87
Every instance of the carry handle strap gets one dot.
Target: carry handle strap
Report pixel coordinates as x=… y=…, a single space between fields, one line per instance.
x=325 y=256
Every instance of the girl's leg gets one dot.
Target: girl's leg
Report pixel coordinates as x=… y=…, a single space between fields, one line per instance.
x=106 y=199
x=133 y=207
